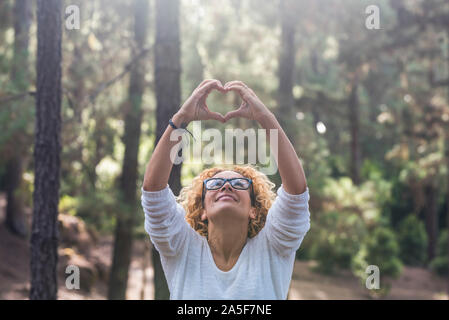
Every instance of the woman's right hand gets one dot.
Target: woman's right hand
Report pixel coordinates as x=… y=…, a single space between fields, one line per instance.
x=251 y=108
x=195 y=107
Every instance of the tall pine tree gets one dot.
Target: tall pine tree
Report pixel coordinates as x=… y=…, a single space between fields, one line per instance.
x=47 y=149
x=133 y=119
x=168 y=96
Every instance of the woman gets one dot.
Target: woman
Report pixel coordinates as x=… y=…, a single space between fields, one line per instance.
x=227 y=238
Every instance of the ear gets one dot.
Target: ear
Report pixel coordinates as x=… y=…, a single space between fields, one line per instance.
x=252 y=213
x=203 y=215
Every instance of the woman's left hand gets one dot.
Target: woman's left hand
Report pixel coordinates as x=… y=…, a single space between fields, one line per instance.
x=251 y=107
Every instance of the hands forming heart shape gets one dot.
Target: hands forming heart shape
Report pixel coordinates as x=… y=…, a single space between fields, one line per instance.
x=195 y=108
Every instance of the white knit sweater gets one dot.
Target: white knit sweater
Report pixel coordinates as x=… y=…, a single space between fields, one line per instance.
x=263 y=269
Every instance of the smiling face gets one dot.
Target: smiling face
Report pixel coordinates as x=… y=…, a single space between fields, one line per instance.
x=226 y=202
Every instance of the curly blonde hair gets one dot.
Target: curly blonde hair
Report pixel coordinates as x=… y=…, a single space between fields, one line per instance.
x=190 y=198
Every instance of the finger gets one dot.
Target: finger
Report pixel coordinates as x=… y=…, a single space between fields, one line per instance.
x=239 y=83
x=243 y=92
x=235 y=87
x=195 y=92
x=201 y=85
x=230 y=83
x=204 y=82
x=240 y=112
x=216 y=116
x=203 y=96
x=206 y=88
x=233 y=114
x=200 y=94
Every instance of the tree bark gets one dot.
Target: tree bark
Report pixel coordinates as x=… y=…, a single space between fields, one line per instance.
x=354 y=121
x=15 y=217
x=133 y=119
x=287 y=70
x=44 y=238
x=431 y=214
x=447 y=199
x=447 y=165
x=286 y=64
x=168 y=97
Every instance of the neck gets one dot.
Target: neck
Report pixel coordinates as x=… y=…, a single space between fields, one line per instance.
x=227 y=241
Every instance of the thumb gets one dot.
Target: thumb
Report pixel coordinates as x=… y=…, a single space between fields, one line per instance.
x=216 y=116
x=233 y=114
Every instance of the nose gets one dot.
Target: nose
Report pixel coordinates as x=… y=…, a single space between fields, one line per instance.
x=228 y=184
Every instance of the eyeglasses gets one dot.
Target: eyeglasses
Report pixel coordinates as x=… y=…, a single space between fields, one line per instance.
x=236 y=183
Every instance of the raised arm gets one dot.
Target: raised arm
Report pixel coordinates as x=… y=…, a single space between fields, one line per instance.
x=289 y=165
x=160 y=165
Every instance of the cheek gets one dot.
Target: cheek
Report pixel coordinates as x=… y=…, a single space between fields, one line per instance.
x=209 y=198
x=245 y=198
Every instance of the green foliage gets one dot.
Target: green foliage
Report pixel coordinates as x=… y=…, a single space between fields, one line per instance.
x=314 y=155
x=365 y=200
x=440 y=263
x=100 y=208
x=380 y=248
x=340 y=226
x=402 y=118
x=336 y=239
x=400 y=204
x=412 y=238
x=371 y=170
x=68 y=205
x=337 y=165
x=339 y=232
x=383 y=251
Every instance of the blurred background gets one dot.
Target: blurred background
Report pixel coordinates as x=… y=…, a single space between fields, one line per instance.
x=360 y=87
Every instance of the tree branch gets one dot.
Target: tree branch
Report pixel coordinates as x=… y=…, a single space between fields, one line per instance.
x=17 y=96
x=440 y=83
x=103 y=86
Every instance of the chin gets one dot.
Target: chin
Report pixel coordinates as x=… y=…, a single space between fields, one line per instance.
x=235 y=207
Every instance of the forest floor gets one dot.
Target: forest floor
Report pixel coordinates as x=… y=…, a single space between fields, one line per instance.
x=414 y=283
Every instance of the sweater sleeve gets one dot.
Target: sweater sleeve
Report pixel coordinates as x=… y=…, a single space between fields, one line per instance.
x=288 y=221
x=164 y=221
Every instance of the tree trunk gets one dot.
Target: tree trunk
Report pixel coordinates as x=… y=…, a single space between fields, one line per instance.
x=133 y=119
x=44 y=238
x=447 y=199
x=354 y=121
x=286 y=71
x=22 y=21
x=168 y=97
x=431 y=214
x=15 y=218
x=286 y=65
x=447 y=164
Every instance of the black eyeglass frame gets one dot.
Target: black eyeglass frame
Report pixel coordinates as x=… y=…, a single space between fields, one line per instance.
x=253 y=199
